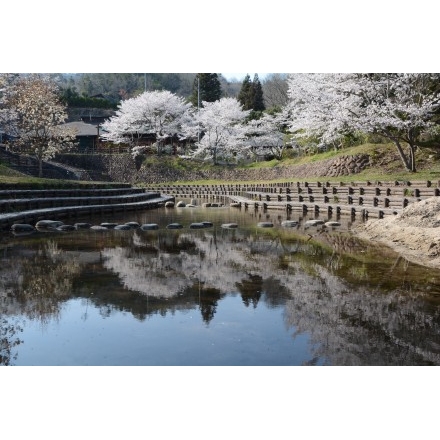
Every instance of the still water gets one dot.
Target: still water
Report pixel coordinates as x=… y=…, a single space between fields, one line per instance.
x=214 y=296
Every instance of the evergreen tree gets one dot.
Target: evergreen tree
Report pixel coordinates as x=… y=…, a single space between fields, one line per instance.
x=257 y=92
x=210 y=88
x=245 y=95
x=251 y=94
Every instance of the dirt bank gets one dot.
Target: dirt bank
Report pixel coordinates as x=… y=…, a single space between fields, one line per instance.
x=414 y=233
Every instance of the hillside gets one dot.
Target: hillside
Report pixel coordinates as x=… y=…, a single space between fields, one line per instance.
x=365 y=162
x=375 y=162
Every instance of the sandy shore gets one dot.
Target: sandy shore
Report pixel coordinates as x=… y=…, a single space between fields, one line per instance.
x=414 y=233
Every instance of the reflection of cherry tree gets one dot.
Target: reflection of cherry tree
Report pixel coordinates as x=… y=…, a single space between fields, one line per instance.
x=347 y=324
x=41 y=282
x=8 y=340
x=355 y=326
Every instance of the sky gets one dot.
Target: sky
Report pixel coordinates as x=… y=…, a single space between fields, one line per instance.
x=240 y=76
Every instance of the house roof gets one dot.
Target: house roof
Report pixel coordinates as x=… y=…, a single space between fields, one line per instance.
x=82 y=129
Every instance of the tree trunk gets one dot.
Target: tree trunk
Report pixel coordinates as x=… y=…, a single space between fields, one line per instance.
x=40 y=167
x=408 y=162
x=412 y=155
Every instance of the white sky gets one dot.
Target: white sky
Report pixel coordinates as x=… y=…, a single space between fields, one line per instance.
x=240 y=76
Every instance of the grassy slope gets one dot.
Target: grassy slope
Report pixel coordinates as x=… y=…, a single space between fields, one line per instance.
x=386 y=164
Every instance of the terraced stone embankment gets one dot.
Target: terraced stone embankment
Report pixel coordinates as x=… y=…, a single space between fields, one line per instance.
x=28 y=206
x=364 y=199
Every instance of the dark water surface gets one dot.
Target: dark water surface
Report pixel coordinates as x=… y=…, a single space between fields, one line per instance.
x=245 y=296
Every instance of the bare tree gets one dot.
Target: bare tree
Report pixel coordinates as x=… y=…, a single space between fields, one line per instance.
x=275 y=90
x=39 y=113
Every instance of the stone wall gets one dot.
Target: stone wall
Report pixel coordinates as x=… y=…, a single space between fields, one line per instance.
x=122 y=168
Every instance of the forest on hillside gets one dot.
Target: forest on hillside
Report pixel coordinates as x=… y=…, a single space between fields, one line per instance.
x=111 y=88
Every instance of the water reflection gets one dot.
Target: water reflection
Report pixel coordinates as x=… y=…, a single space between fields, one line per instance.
x=357 y=304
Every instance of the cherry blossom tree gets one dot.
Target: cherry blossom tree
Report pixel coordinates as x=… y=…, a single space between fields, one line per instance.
x=221 y=129
x=160 y=113
x=268 y=134
x=35 y=115
x=400 y=107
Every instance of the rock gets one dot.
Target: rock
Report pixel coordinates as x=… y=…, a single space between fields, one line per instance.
x=208 y=224
x=174 y=226
x=149 y=226
x=289 y=223
x=229 y=225
x=180 y=204
x=169 y=204
x=265 y=224
x=206 y=205
x=98 y=228
x=193 y=202
x=235 y=204
x=22 y=228
x=191 y=206
x=48 y=224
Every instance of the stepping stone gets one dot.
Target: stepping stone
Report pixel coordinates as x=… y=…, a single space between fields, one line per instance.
x=289 y=223
x=82 y=225
x=313 y=222
x=98 y=228
x=48 y=224
x=22 y=228
x=174 y=226
x=109 y=225
x=208 y=224
x=229 y=225
x=181 y=204
x=265 y=224
x=149 y=226
x=66 y=228
x=332 y=224
x=196 y=226
x=122 y=228
x=169 y=204
x=133 y=225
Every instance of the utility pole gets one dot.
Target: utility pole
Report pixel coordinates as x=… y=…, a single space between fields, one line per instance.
x=198 y=108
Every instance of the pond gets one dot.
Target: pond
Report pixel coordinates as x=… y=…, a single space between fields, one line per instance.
x=304 y=295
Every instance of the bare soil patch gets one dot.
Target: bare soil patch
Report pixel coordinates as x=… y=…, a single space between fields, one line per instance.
x=414 y=233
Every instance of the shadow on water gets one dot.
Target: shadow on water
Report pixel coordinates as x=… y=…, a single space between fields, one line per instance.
x=355 y=303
